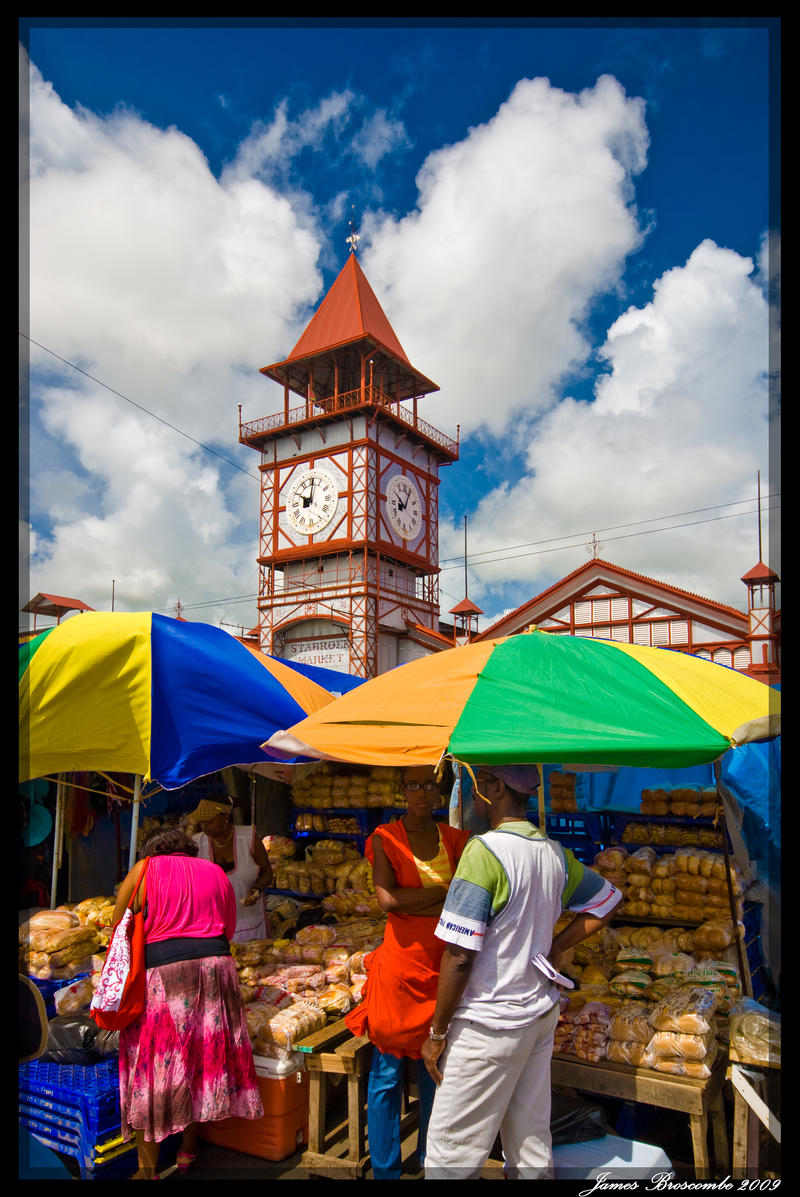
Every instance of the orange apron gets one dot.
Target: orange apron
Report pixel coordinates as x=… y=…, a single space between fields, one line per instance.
x=399 y=996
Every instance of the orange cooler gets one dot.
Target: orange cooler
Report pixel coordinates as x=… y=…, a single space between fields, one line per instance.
x=284 y=1126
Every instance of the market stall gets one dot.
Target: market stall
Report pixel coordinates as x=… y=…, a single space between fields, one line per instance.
x=540 y=698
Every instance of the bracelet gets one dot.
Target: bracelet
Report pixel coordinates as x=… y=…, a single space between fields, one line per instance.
x=436 y=1038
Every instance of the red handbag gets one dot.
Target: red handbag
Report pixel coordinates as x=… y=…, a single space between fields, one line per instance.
x=119 y=998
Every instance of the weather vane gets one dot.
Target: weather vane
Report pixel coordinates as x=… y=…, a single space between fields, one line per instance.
x=354 y=237
x=594 y=548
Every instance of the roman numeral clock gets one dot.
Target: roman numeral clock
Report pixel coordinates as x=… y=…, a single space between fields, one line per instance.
x=348 y=547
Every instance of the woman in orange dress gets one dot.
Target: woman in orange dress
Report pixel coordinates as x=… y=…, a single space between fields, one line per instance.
x=413 y=861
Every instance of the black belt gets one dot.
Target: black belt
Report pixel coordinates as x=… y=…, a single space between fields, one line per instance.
x=171 y=951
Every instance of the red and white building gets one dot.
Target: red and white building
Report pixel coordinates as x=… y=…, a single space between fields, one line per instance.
x=612 y=603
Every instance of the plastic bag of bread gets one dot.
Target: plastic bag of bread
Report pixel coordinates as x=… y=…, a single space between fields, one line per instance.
x=335 y=999
x=692 y=882
x=290 y=1025
x=630 y=983
x=631 y=1022
x=357 y=984
x=632 y=957
x=673 y=962
x=57 y=940
x=620 y=1051
x=660 y=987
x=714 y=935
x=337 y=974
x=317 y=933
x=755 y=1031
x=641 y=861
x=689 y=1009
x=293 y=978
x=72 y=998
x=672 y=1044
x=611 y=858
x=592 y=975
x=699 y=1070
x=47 y=920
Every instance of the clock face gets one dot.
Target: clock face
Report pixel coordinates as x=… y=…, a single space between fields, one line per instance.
x=404 y=506
x=311 y=501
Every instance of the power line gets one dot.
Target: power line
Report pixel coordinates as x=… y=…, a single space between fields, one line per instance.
x=146 y=410
x=625 y=536
x=614 y=527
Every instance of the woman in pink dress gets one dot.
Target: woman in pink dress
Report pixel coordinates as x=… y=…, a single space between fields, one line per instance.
x=187 y=1059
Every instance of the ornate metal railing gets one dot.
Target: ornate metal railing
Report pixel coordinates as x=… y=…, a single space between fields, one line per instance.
x=367 y=396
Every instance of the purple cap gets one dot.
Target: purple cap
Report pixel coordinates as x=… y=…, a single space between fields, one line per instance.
x=523 y=778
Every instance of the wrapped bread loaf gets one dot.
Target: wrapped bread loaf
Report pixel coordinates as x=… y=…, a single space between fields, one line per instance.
x=689 y=1010
x=47 y=921
x=679 y=1066
x=672 y=1045
x=755 y=1031
x=72 y=998
x=57 y=940
x=620 y=1051
x=641 y=861
x=630 y=983
x=289 y=1026
x=631 y=1022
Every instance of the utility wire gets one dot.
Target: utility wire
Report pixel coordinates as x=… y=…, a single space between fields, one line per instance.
x=614 y=527
x=146 y=411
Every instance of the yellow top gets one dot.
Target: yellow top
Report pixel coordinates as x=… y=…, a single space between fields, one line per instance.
x=436 y=871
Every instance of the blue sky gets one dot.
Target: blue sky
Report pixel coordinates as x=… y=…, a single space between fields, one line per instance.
x=567 y=227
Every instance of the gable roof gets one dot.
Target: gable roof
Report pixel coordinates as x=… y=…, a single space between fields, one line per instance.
x=597 y=567
x=55 y=605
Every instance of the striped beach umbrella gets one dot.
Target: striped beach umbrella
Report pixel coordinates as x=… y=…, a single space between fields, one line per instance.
x=165 y=699
x=540 y=696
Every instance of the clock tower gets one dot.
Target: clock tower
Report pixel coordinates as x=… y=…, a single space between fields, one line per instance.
x=349 y=492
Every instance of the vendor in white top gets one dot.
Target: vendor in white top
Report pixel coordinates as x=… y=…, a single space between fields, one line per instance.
x=491 y=1038
x=243 y=857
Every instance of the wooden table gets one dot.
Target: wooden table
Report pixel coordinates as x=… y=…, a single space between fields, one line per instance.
x=341 y=1151
x=700 y=1100
x=748 y=1078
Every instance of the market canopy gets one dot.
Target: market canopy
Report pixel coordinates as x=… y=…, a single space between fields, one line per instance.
x=142 y=693
x=539 y=697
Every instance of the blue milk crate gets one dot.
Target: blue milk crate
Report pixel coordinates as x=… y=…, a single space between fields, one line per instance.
x=74 y=1108
x=49 y=989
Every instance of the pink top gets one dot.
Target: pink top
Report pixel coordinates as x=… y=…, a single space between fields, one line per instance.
x=187 y=898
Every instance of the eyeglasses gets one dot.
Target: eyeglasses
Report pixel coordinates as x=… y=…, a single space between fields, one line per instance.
x=415 y=786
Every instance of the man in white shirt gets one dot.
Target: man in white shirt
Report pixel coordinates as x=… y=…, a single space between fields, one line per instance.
x=491 y=1038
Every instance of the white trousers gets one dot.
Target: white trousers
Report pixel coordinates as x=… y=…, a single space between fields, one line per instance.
x=493 y=1082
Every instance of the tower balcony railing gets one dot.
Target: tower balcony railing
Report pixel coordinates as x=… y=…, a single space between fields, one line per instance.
x=367 y=396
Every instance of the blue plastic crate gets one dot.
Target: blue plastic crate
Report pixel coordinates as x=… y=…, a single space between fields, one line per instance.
x=90 y=1092
x=48 y=990
x=589 y=827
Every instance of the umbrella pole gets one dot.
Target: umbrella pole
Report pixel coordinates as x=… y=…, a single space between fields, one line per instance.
x=542 y=816
x=744 y=969
x=252 y=799
x=59 y=822
x=137 y=802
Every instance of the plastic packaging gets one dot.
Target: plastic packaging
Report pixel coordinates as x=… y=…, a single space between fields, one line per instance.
x=755 y=1031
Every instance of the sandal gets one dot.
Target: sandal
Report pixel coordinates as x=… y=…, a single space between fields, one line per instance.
x=185 y=1159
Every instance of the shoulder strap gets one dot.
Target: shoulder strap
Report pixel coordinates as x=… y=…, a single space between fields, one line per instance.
x=139 y=882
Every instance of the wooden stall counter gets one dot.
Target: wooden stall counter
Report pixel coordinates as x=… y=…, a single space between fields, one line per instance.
x=748 y=1077
x=700 y=1100
x=341 y=1151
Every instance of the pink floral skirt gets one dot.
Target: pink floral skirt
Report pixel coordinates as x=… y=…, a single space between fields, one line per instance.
x=187 y=1058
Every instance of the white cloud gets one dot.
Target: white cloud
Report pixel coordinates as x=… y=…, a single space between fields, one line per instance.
x=679 y=423
x=173 y=288
x=519 y=227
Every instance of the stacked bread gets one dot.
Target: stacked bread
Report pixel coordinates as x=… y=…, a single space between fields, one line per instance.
x=671 y=835
x=583 y=1030
x=562 y=791
x=681 y=801
x=687 y=885
x=56 y=946
x=334 y=786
